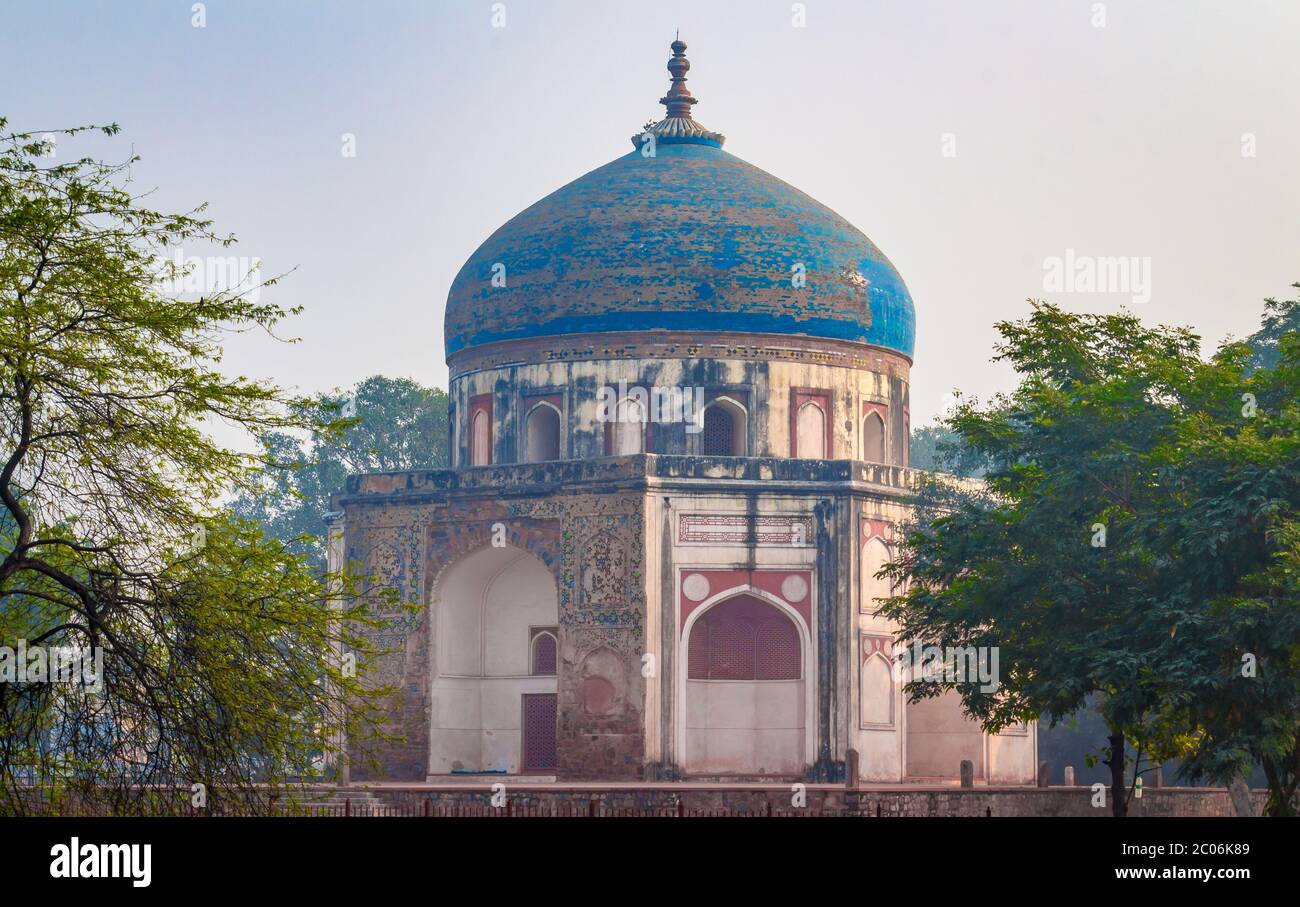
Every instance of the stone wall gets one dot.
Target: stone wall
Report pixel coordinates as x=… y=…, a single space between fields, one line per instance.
x=824 y=800
x=869 y=377
x=602 y=637
x=406 y=546
x=406 y=535
x=587 y=522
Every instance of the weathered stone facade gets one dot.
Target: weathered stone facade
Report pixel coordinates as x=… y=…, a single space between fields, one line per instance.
x=621 y=537
x=679 y=406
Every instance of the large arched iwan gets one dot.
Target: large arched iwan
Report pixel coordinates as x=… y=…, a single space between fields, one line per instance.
x=745 y=709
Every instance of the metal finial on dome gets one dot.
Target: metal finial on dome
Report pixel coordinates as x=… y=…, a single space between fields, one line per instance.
x=678 y=127
x=678 y=100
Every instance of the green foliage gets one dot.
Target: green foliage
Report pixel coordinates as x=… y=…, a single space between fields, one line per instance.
x=1237 y=546
x=938 y=448
x=220 y=648
x=1280 y=319
x=1135 y=538
x=382 y=425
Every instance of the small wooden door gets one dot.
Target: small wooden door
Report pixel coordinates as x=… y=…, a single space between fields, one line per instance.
x=539 y=732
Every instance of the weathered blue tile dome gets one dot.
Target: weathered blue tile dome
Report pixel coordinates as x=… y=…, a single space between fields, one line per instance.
x=679 y=235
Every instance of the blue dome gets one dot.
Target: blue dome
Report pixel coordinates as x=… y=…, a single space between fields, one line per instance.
x=690 y=239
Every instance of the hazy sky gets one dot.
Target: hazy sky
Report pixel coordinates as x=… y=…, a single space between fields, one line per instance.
x=1122 y=140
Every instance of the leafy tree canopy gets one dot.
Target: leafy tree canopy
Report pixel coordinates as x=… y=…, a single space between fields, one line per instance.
x=1136 y=538
x=381 y=425
x=1281 y=319
x=937 y=448
x=218 y=645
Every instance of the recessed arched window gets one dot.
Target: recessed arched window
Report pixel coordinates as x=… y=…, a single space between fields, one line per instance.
x=810 y=428
x=724 y=429
x=542 y=435
x=629 y=427
x=875 y=554
x=744 y=639
x=480 y=439
x=544 y=652
x=876 y=692
x=873 y=438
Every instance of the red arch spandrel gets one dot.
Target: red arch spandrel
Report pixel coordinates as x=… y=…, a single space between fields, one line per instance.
x=768 y=581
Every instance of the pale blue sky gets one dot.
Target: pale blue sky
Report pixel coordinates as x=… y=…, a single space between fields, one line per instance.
x=1122 y=140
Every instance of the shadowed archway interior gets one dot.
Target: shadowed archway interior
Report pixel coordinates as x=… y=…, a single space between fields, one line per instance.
x=486 y=609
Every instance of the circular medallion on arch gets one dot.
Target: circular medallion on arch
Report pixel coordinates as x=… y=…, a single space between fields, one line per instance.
x=696 y=587
x=794 y=587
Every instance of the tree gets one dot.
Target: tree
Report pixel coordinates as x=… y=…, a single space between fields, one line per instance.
x=381 y=425
x=1281 y=319
x=940 y=449
x=1237 y=544
x=219 y=648
x=1114 y=551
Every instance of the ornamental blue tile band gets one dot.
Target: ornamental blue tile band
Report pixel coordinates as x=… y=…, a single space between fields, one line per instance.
x=692 y=238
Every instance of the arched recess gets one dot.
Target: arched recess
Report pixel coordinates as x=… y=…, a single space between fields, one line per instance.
x=602 y=684
x=745 y=686
x=629 y=427
x=480 y=444
x=725 y=432
x=810 y=427
x=876 y=692
x=542 y=433
x=485 y=608
x=873 y=438
x=875 y=554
